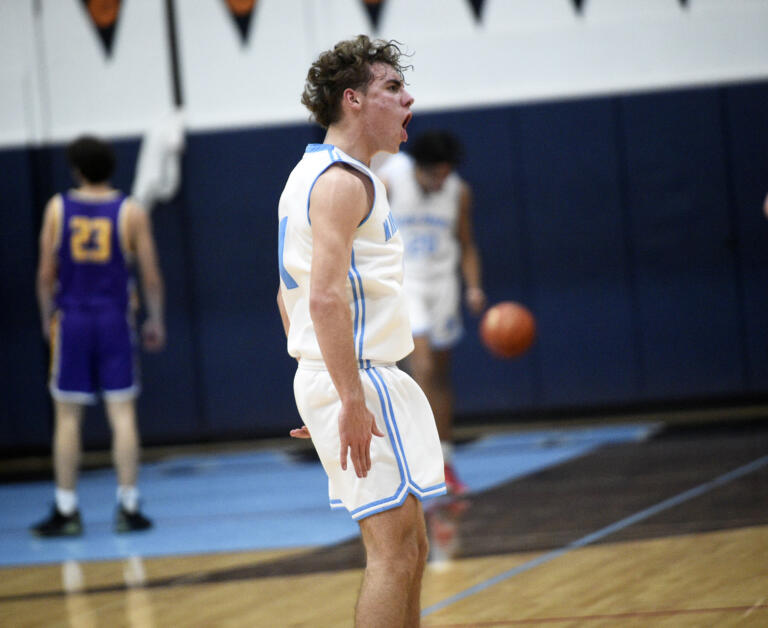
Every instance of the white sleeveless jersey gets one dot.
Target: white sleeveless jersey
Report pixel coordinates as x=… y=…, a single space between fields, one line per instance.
x=427 y=220
x=382 y=331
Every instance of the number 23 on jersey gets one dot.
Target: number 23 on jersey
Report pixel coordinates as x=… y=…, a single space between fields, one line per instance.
x=91 y=239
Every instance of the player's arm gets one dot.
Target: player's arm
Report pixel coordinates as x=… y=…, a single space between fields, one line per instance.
x=339 y=202
x=471 y=266
x=46 y=265
x=765 y=206
x=142 y=243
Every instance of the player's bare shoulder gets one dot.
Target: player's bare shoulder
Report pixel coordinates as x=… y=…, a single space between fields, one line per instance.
x=342 y=188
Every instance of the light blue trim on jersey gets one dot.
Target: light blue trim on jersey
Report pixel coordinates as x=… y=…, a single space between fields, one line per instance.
x=289 y=281
x=432 y=221
x=336 y=156
x=389 y=417
x=354 y=276
x=356 y=301
x=429 y=489
x=312 y=187
x=407 y=485
x=389 y=421
x=316 y=148
x=382 y=504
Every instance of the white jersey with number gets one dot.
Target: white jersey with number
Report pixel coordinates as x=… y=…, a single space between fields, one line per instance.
x=427 y=220
x=379 y=312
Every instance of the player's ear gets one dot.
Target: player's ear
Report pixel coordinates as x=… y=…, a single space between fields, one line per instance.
x=351 y=97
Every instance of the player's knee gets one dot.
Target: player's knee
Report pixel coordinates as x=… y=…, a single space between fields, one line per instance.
x=402 y=556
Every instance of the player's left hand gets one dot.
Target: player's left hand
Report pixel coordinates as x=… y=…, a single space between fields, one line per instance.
x=476 y=300
x=300 y=432
x=153 y=335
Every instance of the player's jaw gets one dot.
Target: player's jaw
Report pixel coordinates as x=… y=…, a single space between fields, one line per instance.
x=394 y=128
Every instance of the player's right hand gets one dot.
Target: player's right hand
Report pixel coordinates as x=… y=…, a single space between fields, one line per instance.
x=356 y=427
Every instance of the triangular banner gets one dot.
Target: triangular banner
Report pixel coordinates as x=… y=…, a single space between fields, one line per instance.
x=374 y=11
x=104 y=14
x=242 y=12
x=477 y=7
x=579 y=4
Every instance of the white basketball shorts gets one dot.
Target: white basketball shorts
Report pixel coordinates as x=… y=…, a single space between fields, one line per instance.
x=408 y=459
x=434 y=308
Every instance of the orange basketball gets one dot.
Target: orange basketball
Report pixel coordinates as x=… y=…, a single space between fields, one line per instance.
x=507 y=329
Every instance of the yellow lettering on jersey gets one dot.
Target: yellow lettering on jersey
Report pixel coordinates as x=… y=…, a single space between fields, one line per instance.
x=91 y=240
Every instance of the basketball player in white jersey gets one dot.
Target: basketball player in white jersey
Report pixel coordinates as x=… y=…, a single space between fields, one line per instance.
x=346 y=319
x=432 y=205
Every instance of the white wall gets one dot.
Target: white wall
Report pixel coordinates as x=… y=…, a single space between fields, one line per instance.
x=55 y=81
x=20 y=93
x=68 y=84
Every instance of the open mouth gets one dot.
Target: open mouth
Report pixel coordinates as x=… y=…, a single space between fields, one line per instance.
x=404 y=133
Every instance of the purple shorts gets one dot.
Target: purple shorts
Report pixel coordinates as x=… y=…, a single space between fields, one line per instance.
x=93 y=351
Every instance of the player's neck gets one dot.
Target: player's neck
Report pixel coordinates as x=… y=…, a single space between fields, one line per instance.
x=350 y=143
x=95 y=190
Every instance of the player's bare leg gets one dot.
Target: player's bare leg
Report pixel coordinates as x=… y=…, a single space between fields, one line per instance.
x=125 y=454
x=66 y=444
x=125 y=440
x=396 y=553
x=431 y=368
x=64 y=519
x=432 y=371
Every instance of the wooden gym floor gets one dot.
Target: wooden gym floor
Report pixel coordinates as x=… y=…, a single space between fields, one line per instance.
x=668 y=530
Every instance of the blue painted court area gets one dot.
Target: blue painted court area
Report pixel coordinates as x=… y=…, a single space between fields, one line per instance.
x=258 y=500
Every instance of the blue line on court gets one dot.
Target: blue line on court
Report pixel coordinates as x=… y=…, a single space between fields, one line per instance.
x=599 y=534
x=256 y=500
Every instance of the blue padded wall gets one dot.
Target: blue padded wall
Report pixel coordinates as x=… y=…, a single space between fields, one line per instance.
x=681 y=233
x=630 y=225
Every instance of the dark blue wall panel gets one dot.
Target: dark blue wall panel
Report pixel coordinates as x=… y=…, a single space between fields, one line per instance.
x=25 y=419
x=631 y=226
x=246 y=374
x=577 y=252
x=746 y=121
x=681 y=231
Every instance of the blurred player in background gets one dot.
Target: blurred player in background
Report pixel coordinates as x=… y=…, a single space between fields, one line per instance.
x=89 y=239
x=432 y=206
x=344 y=312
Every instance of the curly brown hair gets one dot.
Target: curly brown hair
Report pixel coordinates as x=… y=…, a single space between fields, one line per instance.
x=347 y=65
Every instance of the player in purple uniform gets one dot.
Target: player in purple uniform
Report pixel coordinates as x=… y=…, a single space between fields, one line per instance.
x=89 y=238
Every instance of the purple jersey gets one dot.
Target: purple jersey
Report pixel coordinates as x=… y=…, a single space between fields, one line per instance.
x=92 y=270
x=93 y=342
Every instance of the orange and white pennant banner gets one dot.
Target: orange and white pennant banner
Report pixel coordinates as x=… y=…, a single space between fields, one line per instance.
x=104 y=15
x=242 y=12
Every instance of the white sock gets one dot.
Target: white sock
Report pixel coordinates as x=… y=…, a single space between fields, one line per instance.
x=447 y=447
x=128 y=497
x=66 y=501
